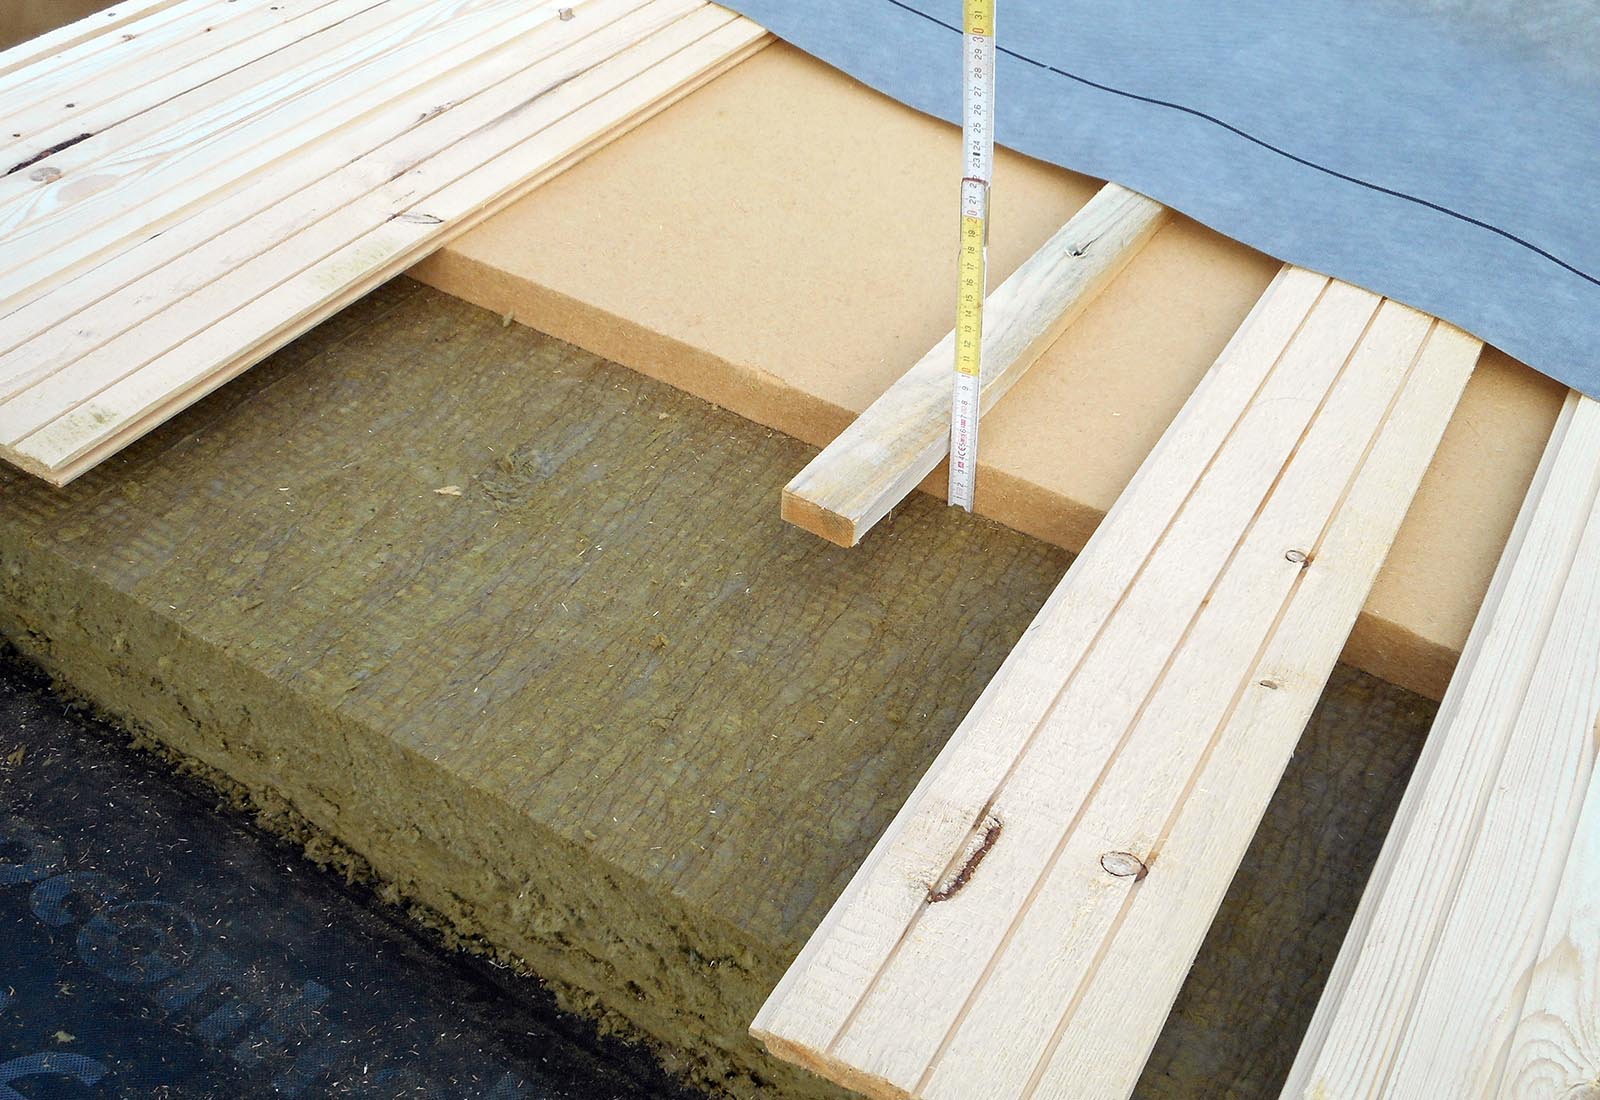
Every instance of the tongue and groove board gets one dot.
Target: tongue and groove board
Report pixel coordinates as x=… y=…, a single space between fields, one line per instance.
x=202 y=181
x=1024 y=924
x=1472 y=967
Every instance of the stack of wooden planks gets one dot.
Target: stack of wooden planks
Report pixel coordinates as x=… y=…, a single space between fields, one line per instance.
x=1022 y=927
x=186 y=185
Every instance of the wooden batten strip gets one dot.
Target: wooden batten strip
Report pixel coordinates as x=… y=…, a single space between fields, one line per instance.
x=1022 y=927
x=1470 y=967
x=904 y=435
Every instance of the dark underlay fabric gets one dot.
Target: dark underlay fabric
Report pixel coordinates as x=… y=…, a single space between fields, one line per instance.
x=1443 y=152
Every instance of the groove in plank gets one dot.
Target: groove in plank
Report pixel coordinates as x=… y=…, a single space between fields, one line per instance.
x=1095 y=802
x=253 y=274
x=904 y=435
x=1435 y=973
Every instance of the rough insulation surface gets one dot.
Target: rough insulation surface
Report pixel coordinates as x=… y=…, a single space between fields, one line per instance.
x=524 y=630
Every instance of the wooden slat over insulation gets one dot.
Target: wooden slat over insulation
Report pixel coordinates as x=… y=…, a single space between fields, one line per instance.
x=905 y=434
x=1472 y=968
x=1023 y=925
x=194 y=188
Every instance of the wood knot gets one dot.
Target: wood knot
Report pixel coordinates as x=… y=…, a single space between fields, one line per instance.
x=1124 y=865
x=47 y=174
x=979 y=843
x=1583 y=1090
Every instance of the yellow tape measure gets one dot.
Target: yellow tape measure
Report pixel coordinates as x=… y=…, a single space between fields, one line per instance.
x=977 y=139
x=970 y=281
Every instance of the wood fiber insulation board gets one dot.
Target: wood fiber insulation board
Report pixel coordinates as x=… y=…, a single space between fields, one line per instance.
x=1471 y=968
x=191 y=189
x=1022 y=927
x=728 y=271
x=903 y=436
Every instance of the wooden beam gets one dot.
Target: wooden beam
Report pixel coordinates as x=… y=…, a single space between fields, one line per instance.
x=1492 y=850
x=1023 y=925
x=904 y=435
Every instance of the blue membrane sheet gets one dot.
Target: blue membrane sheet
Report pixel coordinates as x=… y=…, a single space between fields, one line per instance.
x=1442 y=152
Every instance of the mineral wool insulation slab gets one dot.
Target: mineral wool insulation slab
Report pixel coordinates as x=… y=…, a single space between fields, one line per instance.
x=526 y=631
x=1440 y=153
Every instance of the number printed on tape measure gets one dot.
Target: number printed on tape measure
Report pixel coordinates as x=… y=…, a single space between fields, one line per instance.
x=979 y=17
x=970 y=283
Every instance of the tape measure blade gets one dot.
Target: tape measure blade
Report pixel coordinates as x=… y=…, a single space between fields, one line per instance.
x=977 y=136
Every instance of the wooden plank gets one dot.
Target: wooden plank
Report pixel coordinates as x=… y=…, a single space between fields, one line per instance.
x=1428 y=991
x=112 y=98
x=202 y=106
x=108 y=54
x=587 y=99
x=65 y=223
x=739 y=42
x=51 y=332
x=251 y=258
x=1074 y=838
x=44 y=53
x=1553 y=1050
x=904 y=435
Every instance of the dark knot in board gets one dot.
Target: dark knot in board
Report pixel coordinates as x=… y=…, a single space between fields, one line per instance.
x=959 y=875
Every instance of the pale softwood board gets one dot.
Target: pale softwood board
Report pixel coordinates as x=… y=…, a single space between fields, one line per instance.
x=1442 y=988
x=904 y=435
x=990 y=947
x=152 y=261
x=66 y=43
x=125 y=183
x=136 y=283
x=1555 y=1050
x=118 y=90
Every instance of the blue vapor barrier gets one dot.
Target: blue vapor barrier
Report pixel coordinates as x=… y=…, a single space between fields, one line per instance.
x=1445 y=153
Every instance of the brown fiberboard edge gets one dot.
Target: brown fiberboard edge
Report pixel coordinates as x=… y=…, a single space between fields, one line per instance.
x=780 y=243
